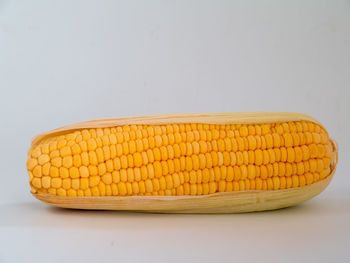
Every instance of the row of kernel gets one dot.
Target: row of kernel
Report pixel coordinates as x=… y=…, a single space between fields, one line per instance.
x=243 y=129
x=207 y=175
x=148 y=185
x=303 y=126
x=61 y=147
x=289 y=155
x=257 y=157
x=166 y=188
x=225 y=142
x=228 y=173
x=297 y=154
x=252 y=129
x=194 y=162
x=106 y=152
x=137 y=159
x=124 y=135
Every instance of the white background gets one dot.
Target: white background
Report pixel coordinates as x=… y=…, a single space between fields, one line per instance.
x=67 y=61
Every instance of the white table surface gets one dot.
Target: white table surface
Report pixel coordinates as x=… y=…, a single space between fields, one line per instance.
x=316 y=231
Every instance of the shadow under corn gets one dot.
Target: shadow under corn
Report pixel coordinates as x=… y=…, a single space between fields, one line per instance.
x=36 y=214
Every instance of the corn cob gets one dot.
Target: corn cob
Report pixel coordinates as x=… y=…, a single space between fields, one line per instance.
x=234 y=162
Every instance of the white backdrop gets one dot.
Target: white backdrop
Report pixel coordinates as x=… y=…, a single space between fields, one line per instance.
x=67 y=61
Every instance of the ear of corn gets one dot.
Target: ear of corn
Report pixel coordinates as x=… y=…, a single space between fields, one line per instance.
x=181 y=156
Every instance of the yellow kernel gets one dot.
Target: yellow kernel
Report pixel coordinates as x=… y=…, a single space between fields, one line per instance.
x=156 y=184
x=85 y=158
x=83 y=171
x=44 y=158
x=244 y=172
x=313 y=150
x=169 y=182
x=243 y=131
x=123 y=175
x=258 y=157
x=265 y=129
x=94 y=181
x=102 y=189
x=321 y=151
x=215 y=134
x=269 y=182
x=316 y=138
x=61 y=192
x=77 y=160
x=102 y=169
x=222 y=186
x=149 y=186
x=130 y=174
x=67 y=161
x=276 y=140
x=36 y=182
x=105 y=140
x=52 y=146
x=137 y=159
x=290 y=155
x=288 y=140
x=114 y=189
x=74 y=172
x=84 y=183
x=245 y=157
x=36 y=152
x=298 y=154
x=295 y=181
x=71 y=193
x=46 y=169
x=235 y=186
x=162 y=183
x=302 y=180
x=313 y=165
x=37 y=171
x=91 y=144
x=95 y=191
x=170 y=151
x=66 y=183
x=132 y=147
x=65 y=151
x=75 y=149
x=263 y=172
x=87 y=192
x=54 y=172
x=296 y=140
x=124 y=162
x=56 y=182
x=283 y=182
x=251 y=171
x=157 y=169
x=125 y=147
x=309 y=178
x=212 y=187
x=135 y=187
x=137 y=174
x=258 y=184
x=52 y=191
x=269 y=141
x=116 y=176
x=276 y=182
x=193 y=189
x=57 y=161
x=31 y=163
x=99 y=155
